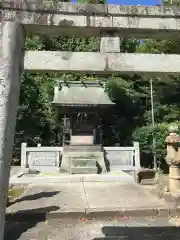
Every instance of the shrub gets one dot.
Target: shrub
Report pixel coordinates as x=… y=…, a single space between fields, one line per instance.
x=144 y=135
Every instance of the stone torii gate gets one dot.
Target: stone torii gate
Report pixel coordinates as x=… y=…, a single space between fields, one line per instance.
x=110 y=22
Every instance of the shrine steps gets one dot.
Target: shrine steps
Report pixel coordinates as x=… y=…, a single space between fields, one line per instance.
x=82 y=148
x=82 y=160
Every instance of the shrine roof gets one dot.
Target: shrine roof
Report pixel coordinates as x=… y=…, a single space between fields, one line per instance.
x=81 y=94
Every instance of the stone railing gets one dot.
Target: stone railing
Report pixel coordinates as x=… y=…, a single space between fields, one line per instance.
x=40 y=158
x=48 y=158
x=123 y=158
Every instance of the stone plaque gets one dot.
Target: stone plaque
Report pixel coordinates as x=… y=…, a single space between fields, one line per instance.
x=38 y=160
x=120 y=158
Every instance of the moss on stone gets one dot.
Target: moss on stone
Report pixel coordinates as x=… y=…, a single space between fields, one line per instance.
x=14 y=193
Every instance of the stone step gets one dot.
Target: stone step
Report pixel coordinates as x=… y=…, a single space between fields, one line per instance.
x=82 y=140
x=83 y=170
x=83 y=162
x=82 y=148
x=88 y=159
x=83 y=155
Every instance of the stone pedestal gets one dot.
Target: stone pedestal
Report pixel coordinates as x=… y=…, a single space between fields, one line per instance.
x=174 y=178
x=173 y=160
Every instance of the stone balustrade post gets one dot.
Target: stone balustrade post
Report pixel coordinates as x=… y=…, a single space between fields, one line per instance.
x=137 y=156
x=173 y=159
x=23 y=156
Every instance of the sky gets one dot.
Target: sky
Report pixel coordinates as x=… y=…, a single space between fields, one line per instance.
x=134 y=2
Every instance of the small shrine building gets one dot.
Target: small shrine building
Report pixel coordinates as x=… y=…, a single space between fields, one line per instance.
x=82 y=105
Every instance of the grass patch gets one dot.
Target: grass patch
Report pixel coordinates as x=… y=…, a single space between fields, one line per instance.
x=14 y=193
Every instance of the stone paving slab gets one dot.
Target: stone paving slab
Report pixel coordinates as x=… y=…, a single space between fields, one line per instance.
x=95 y=229
x=124 y=195
x=62 y=196
x=89 y=199
x=67 y=178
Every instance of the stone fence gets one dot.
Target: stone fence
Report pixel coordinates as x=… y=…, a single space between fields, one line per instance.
x=48 y=158
x=40 y=158
x=123 y=158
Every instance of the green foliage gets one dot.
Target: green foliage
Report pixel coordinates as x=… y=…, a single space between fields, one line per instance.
x=145 y=134
x=36 y=119
x=174 y=3
x=129 y=45
x=163 y=113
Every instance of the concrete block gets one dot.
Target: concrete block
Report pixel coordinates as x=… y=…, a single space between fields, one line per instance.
x=146 y=175
x=163 y=212
x=67 y=213
x=174 y=211
x=103 y=212
x=120 y=212
x=140 y=212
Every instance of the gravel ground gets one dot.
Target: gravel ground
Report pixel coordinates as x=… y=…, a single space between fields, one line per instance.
x=95 y=229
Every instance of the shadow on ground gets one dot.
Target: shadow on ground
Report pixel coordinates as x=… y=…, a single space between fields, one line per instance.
x=70 y=229
x=38 y=196
x=139 y=233
x=20 y=222
x=35 y=197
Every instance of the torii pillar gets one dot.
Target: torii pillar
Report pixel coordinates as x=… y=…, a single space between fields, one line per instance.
x=11 y=58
